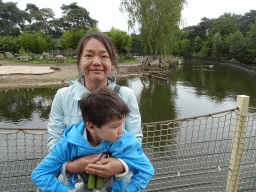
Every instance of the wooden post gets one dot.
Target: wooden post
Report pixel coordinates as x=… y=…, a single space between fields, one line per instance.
x=237 y=143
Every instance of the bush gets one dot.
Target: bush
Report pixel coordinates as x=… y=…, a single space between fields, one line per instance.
x=10 y=44
x=70 y=39
x=36 y=43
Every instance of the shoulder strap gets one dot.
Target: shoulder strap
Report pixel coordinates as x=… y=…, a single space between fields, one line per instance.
x=117 y=88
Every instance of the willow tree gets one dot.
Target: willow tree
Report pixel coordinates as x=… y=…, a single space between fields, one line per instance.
x=158 y=22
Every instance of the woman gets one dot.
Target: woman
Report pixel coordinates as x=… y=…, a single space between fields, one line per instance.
x=95 y=61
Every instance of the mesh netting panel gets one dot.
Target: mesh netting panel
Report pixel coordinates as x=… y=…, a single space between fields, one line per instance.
x=188 y=155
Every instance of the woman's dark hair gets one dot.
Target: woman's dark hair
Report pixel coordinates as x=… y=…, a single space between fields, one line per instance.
x=101 y=106
x=104 y=39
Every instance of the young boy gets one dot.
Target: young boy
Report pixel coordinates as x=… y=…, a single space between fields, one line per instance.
x=103 y=113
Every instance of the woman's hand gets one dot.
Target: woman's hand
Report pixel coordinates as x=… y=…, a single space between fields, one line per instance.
x=81 y=163
x=106 y=167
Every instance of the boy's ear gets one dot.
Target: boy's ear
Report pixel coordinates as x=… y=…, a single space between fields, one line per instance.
x=90 y=127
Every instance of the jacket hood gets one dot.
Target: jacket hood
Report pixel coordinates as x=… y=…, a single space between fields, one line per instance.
x=80 y=89
x=74 y=135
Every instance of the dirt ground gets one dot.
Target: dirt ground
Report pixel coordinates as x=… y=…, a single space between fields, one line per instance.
x=58 y=77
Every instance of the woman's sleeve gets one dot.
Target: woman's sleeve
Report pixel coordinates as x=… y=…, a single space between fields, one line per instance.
x=133 y=120
x=56 y=125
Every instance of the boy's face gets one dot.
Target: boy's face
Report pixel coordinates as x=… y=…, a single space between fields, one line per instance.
x=111 y=131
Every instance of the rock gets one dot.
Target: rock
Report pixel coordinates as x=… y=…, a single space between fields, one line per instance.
x=26 y=58
x=9 y=55
x=19 y=58
x=41 y=58
x=1 y=55
x=36 y=57
x=180 y=62
x=60 y=59
x=55 y=68
x=48 y=56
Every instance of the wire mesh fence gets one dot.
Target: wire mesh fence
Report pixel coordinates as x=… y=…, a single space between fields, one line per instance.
x=191 y=154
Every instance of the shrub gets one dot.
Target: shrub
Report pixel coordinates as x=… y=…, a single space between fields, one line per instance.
x=10 y=44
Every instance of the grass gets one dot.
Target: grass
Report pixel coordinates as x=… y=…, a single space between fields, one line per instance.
x=70 y=60
x=128 y=60
x=45 y=62
x=57 y=79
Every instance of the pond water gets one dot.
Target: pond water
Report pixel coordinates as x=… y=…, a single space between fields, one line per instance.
x=195 y=88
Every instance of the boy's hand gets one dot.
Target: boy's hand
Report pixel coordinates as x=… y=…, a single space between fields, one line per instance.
x=106 y=167
x=81 y=163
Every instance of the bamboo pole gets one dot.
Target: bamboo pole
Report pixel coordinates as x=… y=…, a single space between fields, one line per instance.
x=237 y=143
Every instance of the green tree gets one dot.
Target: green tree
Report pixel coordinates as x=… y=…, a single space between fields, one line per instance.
x=11 y=18
x=225 y=24
x=121 y=40
x=36 y=43
x=39 y=18
x=245 y=20
x=237 y=46
x=77 y=17
x=93 y=29
x=206 y=50
x=10 y=44
x=251 y=41
x=136 y=47
x=197 y=44
x=158 y=22
x=70 y=39
x=185 y=47
x=217 y=45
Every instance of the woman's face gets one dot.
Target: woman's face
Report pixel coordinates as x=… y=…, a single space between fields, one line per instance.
x=95 y=63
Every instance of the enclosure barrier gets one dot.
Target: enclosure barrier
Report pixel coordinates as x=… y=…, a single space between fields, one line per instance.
x=214 y=152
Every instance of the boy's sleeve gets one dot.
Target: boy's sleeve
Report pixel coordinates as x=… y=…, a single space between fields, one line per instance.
x=44 y=174
x=131 y=152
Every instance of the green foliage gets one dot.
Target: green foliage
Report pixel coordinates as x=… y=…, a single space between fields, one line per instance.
x=197 y=44
x=36 y=43
x=237 y=49
x=93 y=29
x=206 y=50
x=10 y=44
x=10 y=17
x=225 y=25
x=70 y=39
x=136 y=47
x=77 y=17
x=121 y=40
x=217 y=45
x=185 y=48
x=157 y=20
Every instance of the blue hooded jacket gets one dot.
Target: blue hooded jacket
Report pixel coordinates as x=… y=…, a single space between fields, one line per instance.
x=74 y=145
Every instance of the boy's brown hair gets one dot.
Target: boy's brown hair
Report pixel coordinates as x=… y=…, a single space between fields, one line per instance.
x=101 y=106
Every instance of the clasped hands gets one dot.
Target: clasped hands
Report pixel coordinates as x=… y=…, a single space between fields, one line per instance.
x=96 y=164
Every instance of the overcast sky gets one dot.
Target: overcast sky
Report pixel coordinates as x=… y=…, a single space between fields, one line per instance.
x=108 y=14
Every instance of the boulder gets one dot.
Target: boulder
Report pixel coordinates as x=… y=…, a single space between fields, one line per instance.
x=1 y=55
x=9 y=55
x=60 y=59
x=41 y=58
x=26 y=58
x=48 y=56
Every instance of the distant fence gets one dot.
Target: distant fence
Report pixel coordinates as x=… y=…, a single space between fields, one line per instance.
x=231 y=63
x=214 y=152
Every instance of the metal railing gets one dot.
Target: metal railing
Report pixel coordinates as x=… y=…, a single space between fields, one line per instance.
x=213 y=152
